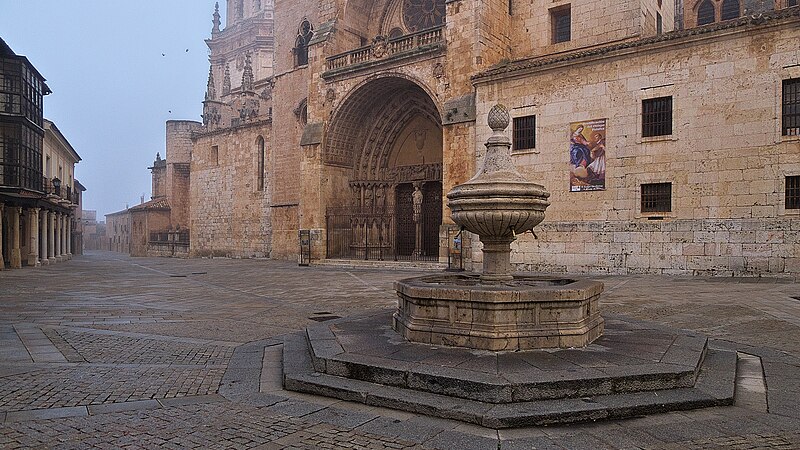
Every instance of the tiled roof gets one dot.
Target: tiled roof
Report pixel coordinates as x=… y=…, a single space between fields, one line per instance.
x=157 y=203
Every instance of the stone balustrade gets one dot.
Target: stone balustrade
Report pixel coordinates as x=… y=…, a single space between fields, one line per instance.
x=431 y=38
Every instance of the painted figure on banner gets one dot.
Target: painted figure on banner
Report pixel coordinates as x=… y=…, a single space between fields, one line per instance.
x=587 y=155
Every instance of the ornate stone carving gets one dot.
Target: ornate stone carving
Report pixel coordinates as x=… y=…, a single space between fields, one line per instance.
x=226 y=81
x=216 y=20
x=247 y=74
x=380 y=47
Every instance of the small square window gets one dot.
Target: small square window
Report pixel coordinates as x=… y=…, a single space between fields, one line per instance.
x=657 y=117
x=561 y=23
x=791 y=107
x=657 y=197
x=793 y=192
x=524 y=133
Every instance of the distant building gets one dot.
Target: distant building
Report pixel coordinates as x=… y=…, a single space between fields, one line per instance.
x=94 y=232
x=118 y=231
x=37 y=190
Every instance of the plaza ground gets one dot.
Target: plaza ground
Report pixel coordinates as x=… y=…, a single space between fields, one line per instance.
x=108 y=351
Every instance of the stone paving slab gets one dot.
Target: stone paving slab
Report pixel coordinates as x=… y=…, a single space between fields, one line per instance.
x=245 y=302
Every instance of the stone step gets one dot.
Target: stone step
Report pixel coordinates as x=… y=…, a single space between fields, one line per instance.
x=375 y=361
x=714 y=387
x=432 y=266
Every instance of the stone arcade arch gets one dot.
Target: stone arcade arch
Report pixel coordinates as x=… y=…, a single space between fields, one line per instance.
x=386 y=141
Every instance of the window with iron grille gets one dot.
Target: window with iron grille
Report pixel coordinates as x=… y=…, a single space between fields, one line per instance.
x=656 y=197
x=791 y=3
x=791 y=107
x=524 y=133
x=793 y=192
x=706 y=13
x=561 y=20
x=657 y=117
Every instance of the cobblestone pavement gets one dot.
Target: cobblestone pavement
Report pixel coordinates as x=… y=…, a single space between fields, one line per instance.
x=108 y=351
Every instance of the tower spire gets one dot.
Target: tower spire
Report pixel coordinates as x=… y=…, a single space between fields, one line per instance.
x=247 y=74
x=216 y=20
x=211 y=90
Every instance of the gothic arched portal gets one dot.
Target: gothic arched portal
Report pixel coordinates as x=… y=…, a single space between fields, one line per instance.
x=387 y=138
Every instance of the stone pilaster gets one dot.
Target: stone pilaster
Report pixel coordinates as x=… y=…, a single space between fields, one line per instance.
x=33 y=228
x=16 y=255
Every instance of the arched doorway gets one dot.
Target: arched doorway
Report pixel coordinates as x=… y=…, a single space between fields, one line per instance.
x=385 y=142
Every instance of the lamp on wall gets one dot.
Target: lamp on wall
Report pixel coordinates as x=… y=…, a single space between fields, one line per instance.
x=57 y=186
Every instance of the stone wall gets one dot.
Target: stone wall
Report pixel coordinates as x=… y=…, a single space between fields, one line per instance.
x=229 y=215
x=726 y=158
x=179 y=155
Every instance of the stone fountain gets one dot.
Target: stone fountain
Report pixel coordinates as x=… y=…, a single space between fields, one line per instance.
x=498 y=310
x=504 y=350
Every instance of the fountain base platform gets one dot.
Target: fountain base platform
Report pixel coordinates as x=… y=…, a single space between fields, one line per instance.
x=635 y=368
x=526 y=313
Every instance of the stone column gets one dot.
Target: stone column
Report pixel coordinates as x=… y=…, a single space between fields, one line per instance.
x=43 y=236
x=16 y=255
x=51 y=238
x=33 y=221
x=60 y=237
x=2 y=236
x=68 y=232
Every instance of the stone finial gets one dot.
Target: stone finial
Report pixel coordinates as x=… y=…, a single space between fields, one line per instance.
x=216 y=20
x=247 y=75
x=499 y=118
x=226 y=81
x=211 y=89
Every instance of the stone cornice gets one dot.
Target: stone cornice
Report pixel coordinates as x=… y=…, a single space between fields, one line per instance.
x=530 y=65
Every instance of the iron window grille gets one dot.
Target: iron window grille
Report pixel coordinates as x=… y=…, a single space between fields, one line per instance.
x=791 y=3
x=524 y=133
x=657 y=117
x=561 y=19
x=657 y=197
x=793 y=192
x=791 y=107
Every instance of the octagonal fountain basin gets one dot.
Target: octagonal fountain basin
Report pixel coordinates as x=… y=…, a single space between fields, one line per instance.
x=525 y=313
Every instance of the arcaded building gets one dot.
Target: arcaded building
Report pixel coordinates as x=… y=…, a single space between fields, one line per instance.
x=666 y=132
x=39 y=195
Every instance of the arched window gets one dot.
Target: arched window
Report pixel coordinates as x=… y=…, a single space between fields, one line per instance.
x=262 y=157
x=730 y=9
x=304 y=35
x=395 y=33
x=706 y=13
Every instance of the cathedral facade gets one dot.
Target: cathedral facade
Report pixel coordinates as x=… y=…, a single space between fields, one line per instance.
x=666 y=132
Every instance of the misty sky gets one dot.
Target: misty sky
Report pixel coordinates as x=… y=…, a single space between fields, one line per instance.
x=112 y=88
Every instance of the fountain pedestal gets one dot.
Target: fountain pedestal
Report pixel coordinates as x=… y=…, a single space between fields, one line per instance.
x=497 y=310
x=523 y=314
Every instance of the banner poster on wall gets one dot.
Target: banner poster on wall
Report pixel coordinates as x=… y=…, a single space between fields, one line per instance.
x=587 y=155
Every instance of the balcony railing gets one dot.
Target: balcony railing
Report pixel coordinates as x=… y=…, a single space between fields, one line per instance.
x=432 y=37
x=62 y=192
